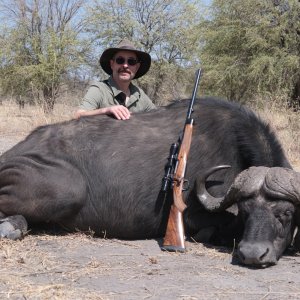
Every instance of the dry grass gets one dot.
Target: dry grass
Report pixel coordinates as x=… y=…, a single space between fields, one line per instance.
x=286 y=124
x=19 y=122
x=76 y=266
x=35 y=268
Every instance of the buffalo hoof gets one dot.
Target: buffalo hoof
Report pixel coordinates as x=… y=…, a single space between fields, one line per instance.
x=13 y=228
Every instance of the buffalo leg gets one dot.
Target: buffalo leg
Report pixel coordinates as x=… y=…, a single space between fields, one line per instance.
x=39 y=191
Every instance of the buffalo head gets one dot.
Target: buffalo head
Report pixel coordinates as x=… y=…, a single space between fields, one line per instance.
x=267 y=201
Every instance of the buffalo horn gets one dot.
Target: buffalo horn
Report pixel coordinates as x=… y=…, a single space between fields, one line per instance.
x=209 y=202
x=283 y=183
x=248 y=182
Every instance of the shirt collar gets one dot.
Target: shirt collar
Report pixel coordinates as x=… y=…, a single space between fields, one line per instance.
x=134 y=91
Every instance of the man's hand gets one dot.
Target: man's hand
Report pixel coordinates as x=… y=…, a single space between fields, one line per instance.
x=120 y=112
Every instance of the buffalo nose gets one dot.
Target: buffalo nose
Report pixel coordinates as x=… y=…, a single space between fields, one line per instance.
x=257 y=253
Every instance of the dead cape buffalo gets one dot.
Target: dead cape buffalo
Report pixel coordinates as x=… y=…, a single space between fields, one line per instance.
x=104 y=175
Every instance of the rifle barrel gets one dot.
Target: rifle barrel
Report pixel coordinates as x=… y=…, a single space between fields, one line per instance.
x=190 y=109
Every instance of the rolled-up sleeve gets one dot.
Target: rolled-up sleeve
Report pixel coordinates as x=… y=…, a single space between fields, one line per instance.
x=92 y=99
x=147 y=103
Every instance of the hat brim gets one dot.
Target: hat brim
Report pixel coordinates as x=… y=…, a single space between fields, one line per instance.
x=143 y=57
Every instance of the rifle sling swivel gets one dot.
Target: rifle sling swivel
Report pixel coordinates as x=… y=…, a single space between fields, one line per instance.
x=185 y=183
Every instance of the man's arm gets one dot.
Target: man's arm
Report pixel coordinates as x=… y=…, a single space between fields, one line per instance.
x=120 y=112
x=148 y=104
x=93 y=104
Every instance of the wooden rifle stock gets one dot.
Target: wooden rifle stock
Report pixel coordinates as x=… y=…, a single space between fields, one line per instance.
x=175 y=172
x=174 y=237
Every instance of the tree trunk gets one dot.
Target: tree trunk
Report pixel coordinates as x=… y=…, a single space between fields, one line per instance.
x=50 y=95
x=295 y=99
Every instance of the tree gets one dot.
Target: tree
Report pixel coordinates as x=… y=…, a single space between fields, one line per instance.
x=42 y=44
x=251 y=47
x=164 y=28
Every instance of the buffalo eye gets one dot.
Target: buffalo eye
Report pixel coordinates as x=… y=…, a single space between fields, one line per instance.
x=284 y=217
x=288 y=213
x=283 y=211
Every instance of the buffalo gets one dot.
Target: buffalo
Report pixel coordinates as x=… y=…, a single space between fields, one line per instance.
x=103 y=175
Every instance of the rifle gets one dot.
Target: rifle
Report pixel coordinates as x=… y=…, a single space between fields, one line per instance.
x=174 y=179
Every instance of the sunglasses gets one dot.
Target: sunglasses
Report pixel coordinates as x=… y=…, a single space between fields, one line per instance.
x=130 y=61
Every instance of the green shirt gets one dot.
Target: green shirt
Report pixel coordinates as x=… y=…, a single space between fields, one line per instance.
x=105 y=93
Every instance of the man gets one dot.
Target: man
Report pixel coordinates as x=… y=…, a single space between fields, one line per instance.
x=117 y=96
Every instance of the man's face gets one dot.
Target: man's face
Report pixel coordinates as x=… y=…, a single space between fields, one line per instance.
x=124 y=66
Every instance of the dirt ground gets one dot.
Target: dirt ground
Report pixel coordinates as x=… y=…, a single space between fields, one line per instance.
x=78 y=266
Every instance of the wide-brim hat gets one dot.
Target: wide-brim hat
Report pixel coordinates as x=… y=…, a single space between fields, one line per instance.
x=125 y=45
